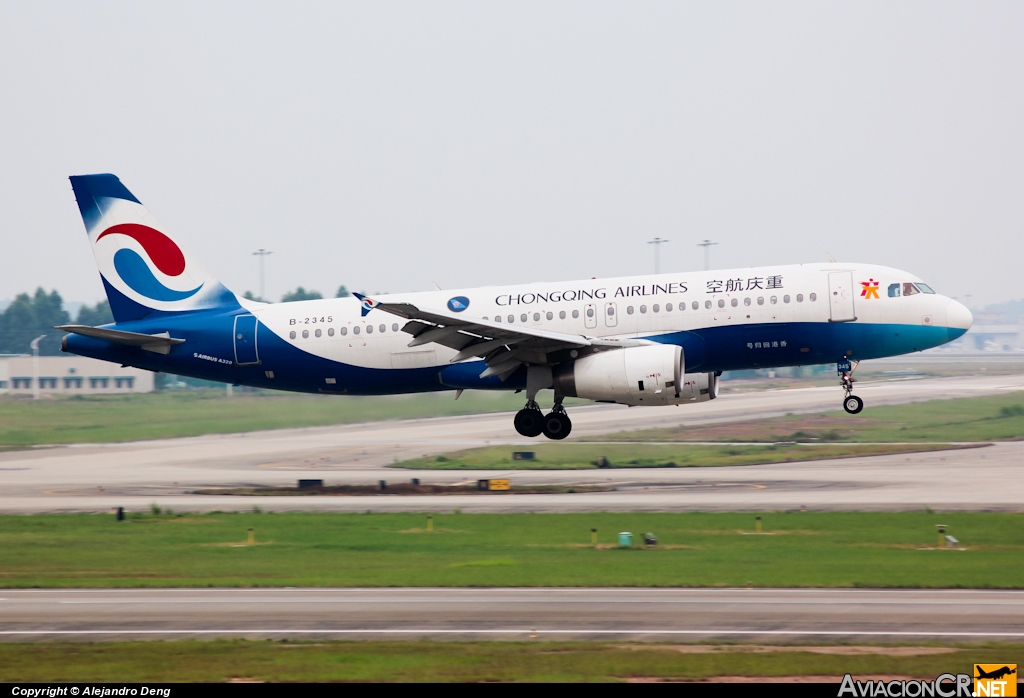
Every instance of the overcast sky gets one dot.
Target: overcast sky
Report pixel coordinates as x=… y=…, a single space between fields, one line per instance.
x=386 y=145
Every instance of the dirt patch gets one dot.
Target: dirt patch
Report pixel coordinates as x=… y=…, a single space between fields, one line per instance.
x=771 y=679
x=403 y=488
x=841 y=650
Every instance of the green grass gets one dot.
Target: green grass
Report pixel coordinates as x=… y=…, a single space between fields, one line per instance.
x=580 y=455
x=804 y=549
x=223 y=660
x=990 y=418
x=25 y=422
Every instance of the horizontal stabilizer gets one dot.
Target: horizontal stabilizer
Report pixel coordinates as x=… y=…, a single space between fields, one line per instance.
x=159 y=343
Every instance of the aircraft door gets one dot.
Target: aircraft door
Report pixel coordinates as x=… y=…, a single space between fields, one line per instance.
x=245 y=340
x=840 y=293
x=590 y=315
x=611 y=315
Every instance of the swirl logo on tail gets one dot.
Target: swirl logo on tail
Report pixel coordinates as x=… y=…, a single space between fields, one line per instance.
x=165 y=255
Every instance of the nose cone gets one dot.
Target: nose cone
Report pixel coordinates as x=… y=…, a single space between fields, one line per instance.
x=958 y=319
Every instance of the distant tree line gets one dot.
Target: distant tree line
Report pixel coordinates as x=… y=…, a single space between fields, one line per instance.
x=30 y=316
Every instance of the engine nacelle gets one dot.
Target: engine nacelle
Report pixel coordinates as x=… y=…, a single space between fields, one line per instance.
x=648 y=375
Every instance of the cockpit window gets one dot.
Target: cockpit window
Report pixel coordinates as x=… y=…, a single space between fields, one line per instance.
x=909 y=289
x=894 y=290
x=925 y=288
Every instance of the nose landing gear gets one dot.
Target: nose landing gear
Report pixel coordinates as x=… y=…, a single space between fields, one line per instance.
x=851 y=403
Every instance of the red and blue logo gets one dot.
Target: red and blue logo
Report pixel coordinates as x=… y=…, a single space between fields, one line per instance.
x=135 y=271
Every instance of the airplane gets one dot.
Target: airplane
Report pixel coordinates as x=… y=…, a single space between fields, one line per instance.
x=662 y=339
x=995 y=674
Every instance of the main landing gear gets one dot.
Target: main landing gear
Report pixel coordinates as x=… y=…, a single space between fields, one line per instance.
x=851 y=403
x=531 y=422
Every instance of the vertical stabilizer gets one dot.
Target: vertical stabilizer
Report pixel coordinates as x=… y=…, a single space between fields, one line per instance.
x=144 y=270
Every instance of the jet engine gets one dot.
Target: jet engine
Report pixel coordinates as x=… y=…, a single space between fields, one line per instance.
x=647 y=375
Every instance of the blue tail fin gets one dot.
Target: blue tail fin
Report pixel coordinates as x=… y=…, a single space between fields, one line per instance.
x=144 y=270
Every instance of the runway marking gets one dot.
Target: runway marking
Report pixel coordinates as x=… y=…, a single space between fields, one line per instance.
x=513 y=631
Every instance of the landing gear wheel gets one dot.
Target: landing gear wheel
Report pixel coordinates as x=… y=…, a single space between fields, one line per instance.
x=853 y=404
x=529 y=422
x=557 y=425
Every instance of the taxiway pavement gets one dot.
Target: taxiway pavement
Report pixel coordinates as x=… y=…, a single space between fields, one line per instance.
x=98 y=477
x=765 y=615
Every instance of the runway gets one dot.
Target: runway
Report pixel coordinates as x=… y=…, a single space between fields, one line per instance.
x=763 y=615
x=136 y=475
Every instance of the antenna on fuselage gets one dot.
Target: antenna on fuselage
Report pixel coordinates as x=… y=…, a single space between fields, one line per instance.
x=831 y=258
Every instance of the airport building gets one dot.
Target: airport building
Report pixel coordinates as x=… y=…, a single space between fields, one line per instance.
x=69 y=375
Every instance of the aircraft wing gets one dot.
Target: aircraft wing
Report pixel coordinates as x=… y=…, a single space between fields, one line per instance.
x=159 y=343
x=504 y=346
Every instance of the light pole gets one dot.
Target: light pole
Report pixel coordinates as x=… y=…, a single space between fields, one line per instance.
x=657 y=248
x=707 y=253
x=35 y=366
x=262 y=253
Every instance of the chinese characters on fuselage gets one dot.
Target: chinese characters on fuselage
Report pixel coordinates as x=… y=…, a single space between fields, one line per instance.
x=754 y=283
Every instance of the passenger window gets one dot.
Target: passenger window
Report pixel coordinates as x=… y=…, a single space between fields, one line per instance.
x=550 y=315
x=773 y=300
x=575 y=314
x=746 y=301
x=813 y=297
x=668 y=307
x=909 y=289
x=799 y=298
x=707 y=305
x=291 y=335
x=369 y=329
x=629 y=310
x=735 y=302
x=656 y=307
x=721 y=302
x=383 y=328
x=611 y=310
x=643 y=308
x=785 y=298
x=355 y=330
x=536 y=317
x=305 y=334
x=497 y=318
x=330 y=331
x=522 y=318
x=925 y=288
x=511 y=318
x=561 y=314
x=344 y=331
x=318 y=333
x=590 y=312
x=760 y=300
x=394 y=327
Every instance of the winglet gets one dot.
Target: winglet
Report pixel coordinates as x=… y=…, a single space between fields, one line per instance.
x=366 y=303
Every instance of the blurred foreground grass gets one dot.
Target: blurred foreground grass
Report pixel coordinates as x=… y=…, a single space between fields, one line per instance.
x=798 y=549
x=224 y=660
